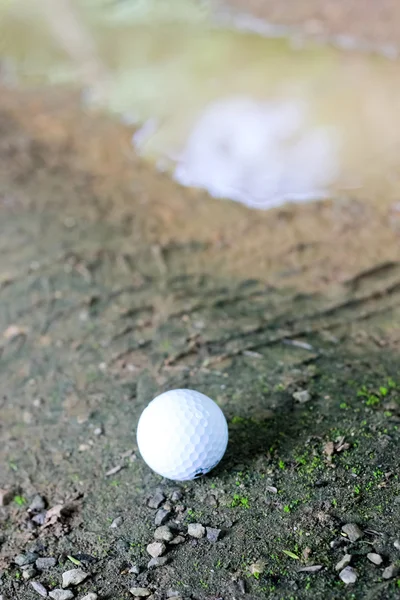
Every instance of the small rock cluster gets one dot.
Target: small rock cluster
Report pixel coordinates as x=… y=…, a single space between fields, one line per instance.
x=347 y=573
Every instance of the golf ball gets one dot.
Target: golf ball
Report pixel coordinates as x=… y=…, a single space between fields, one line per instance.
x=182 y=434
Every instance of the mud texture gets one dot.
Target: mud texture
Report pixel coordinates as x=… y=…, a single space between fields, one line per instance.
x=114 y=288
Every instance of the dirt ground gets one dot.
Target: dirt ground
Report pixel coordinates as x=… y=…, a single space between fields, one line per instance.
x=116 y=284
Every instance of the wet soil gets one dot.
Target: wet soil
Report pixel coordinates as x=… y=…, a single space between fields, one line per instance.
x=115 y=285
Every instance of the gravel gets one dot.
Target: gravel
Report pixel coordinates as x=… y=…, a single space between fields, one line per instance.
x=156 y=549
x=176 y=496
x=196 y=530
x=348 y=575
x=163 y=534
x=61 y=594
x=352 y=531
x=73 y=577
x=375 y=558
x=179 y=539
x=37 y=505
x=140 y=592
x=28 y=572
x=25 y=559
x=390 y=571
x=39 y=588
x=116 y=523
x=162 y=516
x=158 y=561
x=302 y=396
x=156 y=500
x=344 y=562
x=45 y=563
x=213 y=534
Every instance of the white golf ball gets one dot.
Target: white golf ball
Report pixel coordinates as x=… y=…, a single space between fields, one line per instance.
x=182 y=434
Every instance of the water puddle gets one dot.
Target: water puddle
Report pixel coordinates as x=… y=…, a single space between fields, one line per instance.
x=260 y=121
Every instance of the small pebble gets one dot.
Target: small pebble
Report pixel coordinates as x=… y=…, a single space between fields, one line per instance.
x=241 y=585
x=45 y=563
x=257 y=568
x=196 y=530
x=344 y=562
x=39 y=588
x=73 y=577
x=140 y=592
x=38 y=504
x=311 y=569
x=176 y=496
x=40 y=518
x=156 y=549
x=28 y=572
x=116 y=523
x=390 y=571
x=98 y=431
x=167 y=506
x=396 y=544
x=163 y=534
x=162 y=516
x=25 y=559
x=61 y=594
x=173 y=594
x=352 y=531
x=90 y=596
x=156 y=500
x=302 y=396
x=348 y=575
x=134 y=570
x=179 y=539
x=375 y=558
x=213 y=534
x=158 y=561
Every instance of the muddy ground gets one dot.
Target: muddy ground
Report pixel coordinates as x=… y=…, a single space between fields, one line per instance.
x=115 y=284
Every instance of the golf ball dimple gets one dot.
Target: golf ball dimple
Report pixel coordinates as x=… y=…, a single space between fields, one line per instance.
x=182 y=434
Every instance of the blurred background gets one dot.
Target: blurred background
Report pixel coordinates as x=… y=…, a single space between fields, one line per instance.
x=260 y=102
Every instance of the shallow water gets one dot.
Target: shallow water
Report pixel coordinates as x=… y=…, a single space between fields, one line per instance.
x=257 y=120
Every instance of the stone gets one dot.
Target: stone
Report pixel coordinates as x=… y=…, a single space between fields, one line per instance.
x=134 y=570
x=163 y=534
x=25 y=559
x=396 y=544
x=344 y=562
x=156 y=549
x=73 y=577
x=162 y=516
x=375 y=558
x=37 y=505
x=348 y=575
x=302 y=396
x=61 y=594
x=158 y=561
x=213 y=534
x=179 y=539
x=176 y=496
x=45 y=563
x=90 y=596
x=390 y=571
x=39 y=588
x=140 y=592
x=257 y=568
x=156 y=500
x=196 y=530
x=28 y=572
x=352 y=531
x=116 y=523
